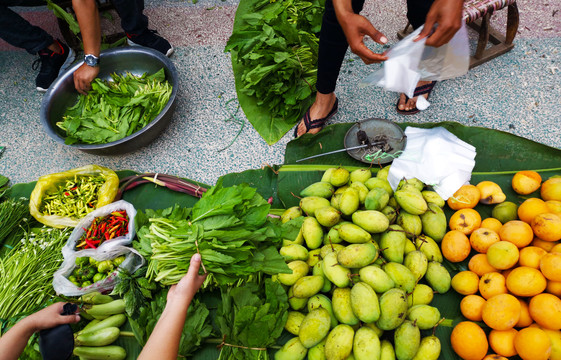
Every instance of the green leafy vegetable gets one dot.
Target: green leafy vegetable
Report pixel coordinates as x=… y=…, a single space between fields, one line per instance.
x=135 y=289
x=13 y=213
x=4 y=182
x=115 y=109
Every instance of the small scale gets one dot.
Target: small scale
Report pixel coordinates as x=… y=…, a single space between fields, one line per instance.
x=372 y=141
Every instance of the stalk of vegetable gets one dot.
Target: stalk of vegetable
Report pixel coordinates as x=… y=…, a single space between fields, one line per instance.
x=4 y=181
x=171 y=182
x=12 y=214
x=74 y=198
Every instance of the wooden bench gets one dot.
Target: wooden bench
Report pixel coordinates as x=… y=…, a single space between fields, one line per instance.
x=477 y=15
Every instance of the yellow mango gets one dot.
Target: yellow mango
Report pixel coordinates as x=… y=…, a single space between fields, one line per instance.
x=307 y=286
x=425 y=316
x=438 y=277
x=314 y=327
x=417 y=262
x=429 y=247
x=366 y=344
x=386 y=350
x=341 y=301
x=361 y=189
x=317 y=352
x=364 y=302
x=357 y=255
x=334 y=272
x=393 y=308
x=294 y=252
x=312 y=232
x=360 y=175
x=401 y=275
x=339 y=177
x=293 y=322
x=429 y=349
x=376 y=199
x=299 y=269
x=392 y=243
x=412 y=224
x=434 y=222
x=411 y=201
x=433 y=197
x=321 y=189
x=371 y=220
x=310 y=204
x=339 y=343
x=407 y=339
x=290 y=214
x=292 y=350
x=354 y=234
x=322 y=301
x=349 y=201
x=377 y=278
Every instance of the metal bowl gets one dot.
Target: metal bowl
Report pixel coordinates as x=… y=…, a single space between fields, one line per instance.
x=136 y=60
x=385 y=131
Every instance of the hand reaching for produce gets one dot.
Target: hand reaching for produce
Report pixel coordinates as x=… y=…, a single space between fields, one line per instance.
x=83 y=78
x=190 y=283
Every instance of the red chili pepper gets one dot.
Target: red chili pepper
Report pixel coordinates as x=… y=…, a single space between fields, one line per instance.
x=95 y=242
x=107 y=236
x=92 y=245
x=66 y=193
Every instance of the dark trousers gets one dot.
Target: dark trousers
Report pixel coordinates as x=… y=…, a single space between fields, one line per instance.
x=333 y=43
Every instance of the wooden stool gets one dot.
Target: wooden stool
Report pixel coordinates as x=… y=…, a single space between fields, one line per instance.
x=477 y=14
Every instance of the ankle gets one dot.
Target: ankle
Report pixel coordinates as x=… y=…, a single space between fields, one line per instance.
x=54 y=47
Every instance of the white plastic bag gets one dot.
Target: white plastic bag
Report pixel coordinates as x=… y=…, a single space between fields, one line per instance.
x=133 y=261
x=70 y=248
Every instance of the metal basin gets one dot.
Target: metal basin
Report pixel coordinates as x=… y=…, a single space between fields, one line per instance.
x=136 y=60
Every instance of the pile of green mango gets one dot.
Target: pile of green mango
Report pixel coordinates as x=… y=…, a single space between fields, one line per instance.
x=365 y=266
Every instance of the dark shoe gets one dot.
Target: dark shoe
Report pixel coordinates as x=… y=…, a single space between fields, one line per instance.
x=420 y=90
x=150 y=38
x=317 y=123
x=52 y=65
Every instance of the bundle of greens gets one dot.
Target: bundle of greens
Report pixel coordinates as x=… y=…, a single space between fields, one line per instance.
x=135 y=289
x=4 y=182
x=13 y=213
x=250 y=319
x=277 y=48
x=115 y=109
x=228 y=226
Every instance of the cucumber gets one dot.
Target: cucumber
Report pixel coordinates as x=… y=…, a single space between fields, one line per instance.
x=111 y=352
x=96 y=298
x=98 y=338
x=112 y=321
x=106 y=310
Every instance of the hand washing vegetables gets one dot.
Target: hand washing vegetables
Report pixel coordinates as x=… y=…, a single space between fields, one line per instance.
x=115 y=109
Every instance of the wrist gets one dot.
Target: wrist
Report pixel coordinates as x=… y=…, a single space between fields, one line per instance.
x=91 y=60
x=28 y=326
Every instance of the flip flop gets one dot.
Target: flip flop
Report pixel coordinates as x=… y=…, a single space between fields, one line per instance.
x=420 y=90
x=317 y=123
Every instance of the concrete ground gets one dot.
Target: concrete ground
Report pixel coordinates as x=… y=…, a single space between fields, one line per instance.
x=519 y=92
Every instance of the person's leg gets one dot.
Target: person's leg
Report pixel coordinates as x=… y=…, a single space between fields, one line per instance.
x=133 y=20
x=332 y=49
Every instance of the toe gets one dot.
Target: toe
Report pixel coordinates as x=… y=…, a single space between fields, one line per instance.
x=401 y=103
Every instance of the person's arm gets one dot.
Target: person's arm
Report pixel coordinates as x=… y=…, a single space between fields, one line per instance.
x=355 y=27
x=88 y=19
x=163 y=343
x=14 y=341
x=447 y=16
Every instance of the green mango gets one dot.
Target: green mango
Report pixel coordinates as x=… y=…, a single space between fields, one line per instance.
x=334 y=272
x=364 y=302
x=322 y=301
x=413 y=182
x=361 y=189
x=336 y=201
x=326 y=177
x=438 y=277
x=392 y=243
x=412 y=224
x=294 y=252
x=417 y=262
x=341 y=301
x=393 y=203
x=376 y=199
x=390 y=213
x=383 y=173
x=321 y=189
x=326 y=249
x=312 y=232
x=313 y=257
x=429 y=247
x=349 y=202
x=424 y=316
x=376 y=182
x=310 y=204
x=299 y=269
x=393 y=309
x=401 y=275
x=422 y=295
x=341 y=190
x=317 y=352
x=292 y=350
x=293 y=322
x=371 y=220
x=339 y=343
x=328 y=216
x=318 y=271
x=411 y=201
x=360 y=175
x=376 y=329
x=377 y=278
x=339 y=177
x=332 y=236
x=299 y=240
x=434 y=222
x=366 y=344
x=314 y=327
x=296 y=303
x=409 y=246
x=505 y=211
x=354 y=234
x=406 y=339
x=429 y=349
x=357 y=255
x=386 y=350
x=291 y=214
x=307 y=286
x=433 y=197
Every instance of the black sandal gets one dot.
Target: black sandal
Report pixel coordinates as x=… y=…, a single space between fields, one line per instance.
x=420 y=90
x=317 y=123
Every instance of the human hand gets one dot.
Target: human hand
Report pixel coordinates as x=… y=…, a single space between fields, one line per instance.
x=190 y=283
x=50 y=317
x=84 y=76
x=447 y=14
x=355 y=28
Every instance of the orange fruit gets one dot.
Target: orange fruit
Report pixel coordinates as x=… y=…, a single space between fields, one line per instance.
x=501 y=312
x=465 y=282
x=491 y=193
x=471 y=307
x=479 y=265
x=491 y=284
x=503 y=255
x=531 y=256
x=517 y=232
x=556 y=248
x=555 y=338
x=547 y=226
x=545 y=309
x=525 y=281
x=551 y=189
x=480 y=239
x=491 y=223
x=554 y=206
x=455 y=246
x=531 y=207
x=532 y=343
x=465 y=220
x=554 y=287
x=550 y=266
x=494 y=357
x=525 y=318
x=546 y=245
x=469 y=341
x=466 y=197
x=526 y=182
x=502 y=341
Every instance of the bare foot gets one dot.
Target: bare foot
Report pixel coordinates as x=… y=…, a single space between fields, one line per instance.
x=320 y=109
x=412 y=102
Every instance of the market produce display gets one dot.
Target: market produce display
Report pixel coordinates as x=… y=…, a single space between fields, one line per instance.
x=75 y=197
x=89 y=271
x=115 y=109
x=104 y=229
